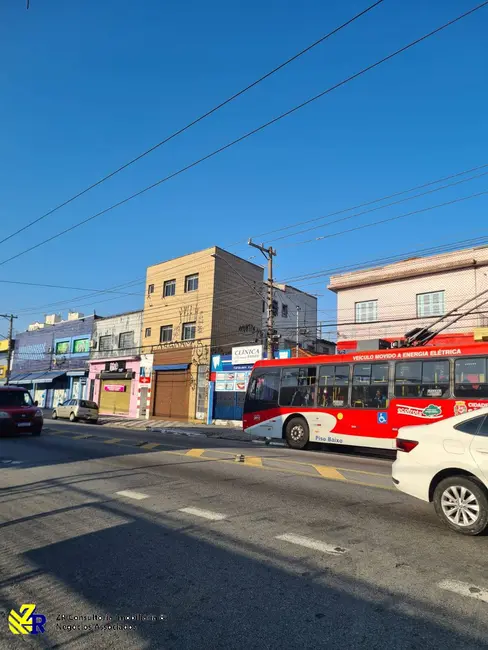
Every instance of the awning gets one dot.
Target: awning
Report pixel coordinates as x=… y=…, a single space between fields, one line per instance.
x=172 y=366
x=47 y=377
x=43 y=377
x=20 y=378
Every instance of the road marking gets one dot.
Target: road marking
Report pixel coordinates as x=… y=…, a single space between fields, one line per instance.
x=113 y=441
x=206 y=514
x=82 y=436
x=254 y=461
x=196 y=453
x=329 y=472
x=132 y=495
x=465 y=589
x=150 y=445
x=314 y=544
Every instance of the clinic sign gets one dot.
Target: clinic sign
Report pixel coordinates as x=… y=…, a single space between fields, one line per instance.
x=246 y=355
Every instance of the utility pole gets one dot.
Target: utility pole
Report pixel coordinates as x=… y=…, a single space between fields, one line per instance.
x=10 y=318
x=268 y=253
x=298 y=332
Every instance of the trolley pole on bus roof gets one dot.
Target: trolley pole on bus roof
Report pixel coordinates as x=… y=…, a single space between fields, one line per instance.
x=268 y=253
x=10 y=318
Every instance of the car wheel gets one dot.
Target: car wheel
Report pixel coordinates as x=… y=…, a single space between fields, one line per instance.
x=462 y=504
x=72 y=417
x=54 y=415
x=296 y=433
x=93 y=421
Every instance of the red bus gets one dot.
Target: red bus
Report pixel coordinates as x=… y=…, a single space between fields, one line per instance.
x=363 y=398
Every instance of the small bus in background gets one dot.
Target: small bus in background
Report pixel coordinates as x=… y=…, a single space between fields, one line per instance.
x=362 y=399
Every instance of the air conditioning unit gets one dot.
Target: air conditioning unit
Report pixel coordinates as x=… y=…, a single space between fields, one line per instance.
x=93 y=344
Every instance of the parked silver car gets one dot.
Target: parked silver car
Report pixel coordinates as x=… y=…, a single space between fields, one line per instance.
x=77 y=409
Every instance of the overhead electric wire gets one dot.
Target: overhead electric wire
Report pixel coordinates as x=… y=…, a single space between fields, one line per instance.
x=197 y=120
x=252 y=132
x=389 y=219
x=364 y=205
x=391 y=258
x=381 y=207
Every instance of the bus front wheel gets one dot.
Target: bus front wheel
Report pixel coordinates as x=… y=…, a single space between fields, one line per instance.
x=296 y=433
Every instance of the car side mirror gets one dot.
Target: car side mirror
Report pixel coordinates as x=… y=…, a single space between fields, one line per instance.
x=36 y=403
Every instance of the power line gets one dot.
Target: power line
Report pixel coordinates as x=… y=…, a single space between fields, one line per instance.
x=381 y=207
x=401 y=256
x=366 y=204
x=389 y=219
x=60 y=286
x=250 y=133
x=197 y=120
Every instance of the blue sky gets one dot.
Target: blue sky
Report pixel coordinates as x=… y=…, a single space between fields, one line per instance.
x=87 y=85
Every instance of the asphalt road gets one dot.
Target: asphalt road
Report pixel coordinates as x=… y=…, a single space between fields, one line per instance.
x=282 y=550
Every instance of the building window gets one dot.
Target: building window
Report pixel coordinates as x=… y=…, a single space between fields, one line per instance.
x=166 y=334
x=188 y=331
x=284 y=311
x=147 y=333
x=126 y=340
x=81 y=346
x=150 y=289
x=169 y=288
x=105 y=343
x=62 y=347
x=274 y=307
x=367 y=311
x=191 y=282
x=430 y=304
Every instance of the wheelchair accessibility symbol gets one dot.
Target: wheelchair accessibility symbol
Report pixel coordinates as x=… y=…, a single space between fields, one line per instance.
x=382 y=418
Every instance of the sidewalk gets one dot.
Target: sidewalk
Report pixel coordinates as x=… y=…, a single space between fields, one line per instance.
x=169 y=426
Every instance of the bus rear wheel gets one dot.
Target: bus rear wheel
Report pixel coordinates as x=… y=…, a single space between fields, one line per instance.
x=296 y=433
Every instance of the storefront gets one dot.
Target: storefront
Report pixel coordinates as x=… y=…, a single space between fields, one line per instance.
x=172 y=381
x=113 y=385
x=231 y=377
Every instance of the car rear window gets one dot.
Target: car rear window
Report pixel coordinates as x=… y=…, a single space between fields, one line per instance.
x=14 y=398
x=88 y=405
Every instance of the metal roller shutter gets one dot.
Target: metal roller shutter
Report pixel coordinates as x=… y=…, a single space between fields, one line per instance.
x=115 y=402
x=171 y=397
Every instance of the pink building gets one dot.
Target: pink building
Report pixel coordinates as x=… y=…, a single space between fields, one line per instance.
x=114 y=376
x=115 y=386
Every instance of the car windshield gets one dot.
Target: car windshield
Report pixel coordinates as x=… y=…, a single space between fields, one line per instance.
x=14 y=398
x=88 y=405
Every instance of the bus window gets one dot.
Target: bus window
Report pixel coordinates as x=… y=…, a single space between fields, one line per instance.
x=470 y=378
x=435 y=378
x=333 y=386
x=370 y=385
x=263 y=390
x=408 y=379
x=422 y=379
x=298 y=386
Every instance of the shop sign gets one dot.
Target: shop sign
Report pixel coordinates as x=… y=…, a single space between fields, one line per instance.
x=231 y=381
x=114 y=388
x=115 y=366
x=144 y=380
x=247 y=354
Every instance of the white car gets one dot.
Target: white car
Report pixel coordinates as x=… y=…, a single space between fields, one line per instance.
x=447 y=462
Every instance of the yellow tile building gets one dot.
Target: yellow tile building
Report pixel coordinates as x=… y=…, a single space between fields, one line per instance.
x=195 y=306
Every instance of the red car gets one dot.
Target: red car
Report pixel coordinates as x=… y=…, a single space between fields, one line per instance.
x=18 y=412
